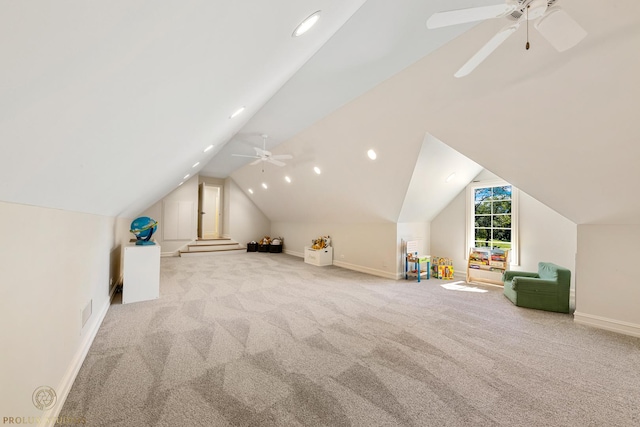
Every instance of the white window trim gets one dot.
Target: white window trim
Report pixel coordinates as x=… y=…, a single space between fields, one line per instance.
x=514 y=258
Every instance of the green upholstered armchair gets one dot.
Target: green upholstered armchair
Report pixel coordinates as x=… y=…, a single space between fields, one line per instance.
x=548 y=289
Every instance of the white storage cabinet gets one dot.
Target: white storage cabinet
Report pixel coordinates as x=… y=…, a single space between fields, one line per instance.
x=320 y=257
x=141 y=276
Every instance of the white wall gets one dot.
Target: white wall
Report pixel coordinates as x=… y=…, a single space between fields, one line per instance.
x=244 y=221
x=607 y=291
x=545 y=235
x=187 y=192
x=448 y=238
x=366 y=247
x=52 y=263
x=226 y=207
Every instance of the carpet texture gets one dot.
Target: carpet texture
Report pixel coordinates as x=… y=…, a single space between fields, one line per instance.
x=256 y=339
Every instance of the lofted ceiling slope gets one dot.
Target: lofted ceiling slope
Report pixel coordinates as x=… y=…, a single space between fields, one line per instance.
x=105 y=106
x=561 y=126
x=380 y=39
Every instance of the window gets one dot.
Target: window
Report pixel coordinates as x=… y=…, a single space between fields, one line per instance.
x=492 y=217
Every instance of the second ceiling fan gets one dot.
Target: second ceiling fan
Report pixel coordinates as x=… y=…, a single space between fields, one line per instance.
x=553 y=23
x=263 y=156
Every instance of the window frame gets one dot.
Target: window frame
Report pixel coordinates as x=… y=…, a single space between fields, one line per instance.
x=514 y=257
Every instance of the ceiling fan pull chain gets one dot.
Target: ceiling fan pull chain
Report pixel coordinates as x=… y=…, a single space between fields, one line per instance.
x=527 y=45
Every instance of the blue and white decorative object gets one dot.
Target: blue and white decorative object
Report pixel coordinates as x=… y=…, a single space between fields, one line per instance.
x=143 y=228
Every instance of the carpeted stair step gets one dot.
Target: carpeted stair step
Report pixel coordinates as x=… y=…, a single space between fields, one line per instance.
x=212 y=246
x=214 y=241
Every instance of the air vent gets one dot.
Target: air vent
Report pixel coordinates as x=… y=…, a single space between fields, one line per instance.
x=86 y=312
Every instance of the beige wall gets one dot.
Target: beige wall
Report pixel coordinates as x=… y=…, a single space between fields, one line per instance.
x=448 y=236
x=52 y=263
x=607 y=290
x=366 y=247
x=244 y=221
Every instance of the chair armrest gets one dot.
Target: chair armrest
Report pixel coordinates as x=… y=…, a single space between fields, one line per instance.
x=529 y=283
x=510 y=274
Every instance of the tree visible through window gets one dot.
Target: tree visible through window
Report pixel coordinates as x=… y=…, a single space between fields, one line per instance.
x=492 y=217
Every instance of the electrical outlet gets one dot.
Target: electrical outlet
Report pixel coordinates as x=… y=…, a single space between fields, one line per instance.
x=341 y=256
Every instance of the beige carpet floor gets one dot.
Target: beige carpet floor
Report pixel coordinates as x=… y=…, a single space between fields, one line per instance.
x=254 y=339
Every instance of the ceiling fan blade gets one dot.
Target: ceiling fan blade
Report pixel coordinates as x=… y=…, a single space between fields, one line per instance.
x=560 y=29
x=275 y=162
x=487 y=50
x=255 y=162
x=282 y=157
x=243 y=155
x=463 y=16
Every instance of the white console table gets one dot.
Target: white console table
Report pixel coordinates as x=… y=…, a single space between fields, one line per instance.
x=319 y=257
x=141 y=275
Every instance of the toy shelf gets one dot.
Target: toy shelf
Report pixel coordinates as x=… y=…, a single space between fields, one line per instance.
x=487 y=265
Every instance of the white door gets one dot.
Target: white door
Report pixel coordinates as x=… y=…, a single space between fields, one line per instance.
x=211 y=212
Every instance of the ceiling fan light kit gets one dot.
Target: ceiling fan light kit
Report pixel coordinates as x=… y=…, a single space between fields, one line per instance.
x=553 y=23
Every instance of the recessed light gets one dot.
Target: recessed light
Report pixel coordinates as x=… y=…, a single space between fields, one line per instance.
x=186 y=176
x=264 y=185
x=450 y=177
x=195 y=164
x=237 y=112
x=208 y=148
x=286 y=178
x=372 y=154
x=251 y=191
x=317 y=170
x=180 y=183
x=306 y=25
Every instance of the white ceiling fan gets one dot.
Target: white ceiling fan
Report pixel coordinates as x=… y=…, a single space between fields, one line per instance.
x=263 y=156
x=553 y=23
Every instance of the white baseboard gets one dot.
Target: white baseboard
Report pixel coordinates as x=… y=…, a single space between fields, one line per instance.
x=348 y=266
x=62 y=391
x=298 y=254
x=605 y=323
x=368 y=270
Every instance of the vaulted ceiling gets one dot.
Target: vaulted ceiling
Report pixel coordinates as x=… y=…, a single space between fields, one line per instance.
x=105 y=107
x=558 y=125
